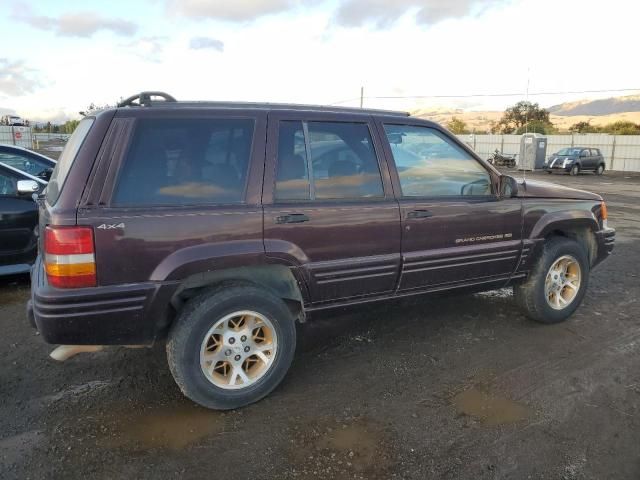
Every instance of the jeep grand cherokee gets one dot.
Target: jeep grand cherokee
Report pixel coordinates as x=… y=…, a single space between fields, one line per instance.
x=214 y=227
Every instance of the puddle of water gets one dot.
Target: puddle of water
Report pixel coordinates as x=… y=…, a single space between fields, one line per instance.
x=173 y=429
x=357 y=441
x=489 y=409
x=343 y=448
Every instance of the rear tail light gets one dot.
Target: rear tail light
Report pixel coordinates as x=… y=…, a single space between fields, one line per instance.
x=69 y=257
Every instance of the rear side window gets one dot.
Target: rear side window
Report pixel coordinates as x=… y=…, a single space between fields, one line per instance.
x=67 y=157
x=25 y=162
x=186 y=162
x=325 y=161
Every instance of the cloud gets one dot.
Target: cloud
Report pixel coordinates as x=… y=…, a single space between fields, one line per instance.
x=199 y=43
x=16 y=79
x=382 y=13
x=80 y=24
x=147 y=48
x=232 y=10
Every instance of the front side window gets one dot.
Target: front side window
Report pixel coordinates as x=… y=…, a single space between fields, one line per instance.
x=186 y=162
x=431 y=165
x=325 y=161
x=8 y=184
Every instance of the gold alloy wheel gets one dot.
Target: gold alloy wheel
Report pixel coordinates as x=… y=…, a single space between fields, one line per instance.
x=562 y=283
x=238 y=350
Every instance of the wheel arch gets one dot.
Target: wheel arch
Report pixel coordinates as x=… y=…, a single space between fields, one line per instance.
x=280 y=280
x=576 y=225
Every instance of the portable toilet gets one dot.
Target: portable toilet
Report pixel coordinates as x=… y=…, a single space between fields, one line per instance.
x=533 y=151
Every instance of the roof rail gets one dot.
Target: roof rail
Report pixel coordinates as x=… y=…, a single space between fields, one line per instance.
x=143 y=99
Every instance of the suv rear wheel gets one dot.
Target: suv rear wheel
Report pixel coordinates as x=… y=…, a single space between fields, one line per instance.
x=600 y=169
x=231 y=346
x=557 y=284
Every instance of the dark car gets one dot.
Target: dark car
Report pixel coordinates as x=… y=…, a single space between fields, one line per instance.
x=212 y=227
x=27 y=161
x=18 y=219
x=575 y=160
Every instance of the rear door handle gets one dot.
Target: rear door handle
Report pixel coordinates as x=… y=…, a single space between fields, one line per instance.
x=292 y=218
x=419 y=214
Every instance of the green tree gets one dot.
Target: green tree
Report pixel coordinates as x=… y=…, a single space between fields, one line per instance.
x=583 y=127
x=521 y=114
x=70 y=125
x=457 y=126
x=536 y=126
x=92 y=108
x=621 y=128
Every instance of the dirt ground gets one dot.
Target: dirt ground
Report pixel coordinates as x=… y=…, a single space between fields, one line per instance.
x=461 y=387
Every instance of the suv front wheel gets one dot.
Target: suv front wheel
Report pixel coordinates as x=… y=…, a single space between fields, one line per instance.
x=231 y=346
x=557 y=284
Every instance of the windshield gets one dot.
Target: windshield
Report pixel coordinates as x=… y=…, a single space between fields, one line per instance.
x=66 y=159
x=569 y=151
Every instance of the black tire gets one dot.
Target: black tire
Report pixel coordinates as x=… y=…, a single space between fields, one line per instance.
x=600 y=169
x=191 y=327
x=531 y=294
x=575 y=170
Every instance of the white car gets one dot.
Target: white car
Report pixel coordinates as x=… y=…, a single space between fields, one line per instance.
x=13 y=120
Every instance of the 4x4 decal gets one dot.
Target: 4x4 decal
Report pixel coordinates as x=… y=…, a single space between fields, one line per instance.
x=110 y=226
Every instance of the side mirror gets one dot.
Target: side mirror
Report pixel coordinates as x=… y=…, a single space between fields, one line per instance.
x=27 y=187
x=45 y=174
x=508 y=186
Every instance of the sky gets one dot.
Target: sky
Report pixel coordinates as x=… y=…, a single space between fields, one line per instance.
x=57 y=57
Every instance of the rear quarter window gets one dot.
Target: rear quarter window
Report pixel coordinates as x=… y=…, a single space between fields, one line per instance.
x=67 y=157
x=186 y=162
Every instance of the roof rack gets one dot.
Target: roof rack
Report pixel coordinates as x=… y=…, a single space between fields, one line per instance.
x=143 y=99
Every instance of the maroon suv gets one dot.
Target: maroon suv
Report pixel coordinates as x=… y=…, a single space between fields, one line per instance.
x=216 y=226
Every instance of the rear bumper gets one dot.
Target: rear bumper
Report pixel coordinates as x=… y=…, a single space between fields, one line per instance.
x=131 y=314
x=606 y=239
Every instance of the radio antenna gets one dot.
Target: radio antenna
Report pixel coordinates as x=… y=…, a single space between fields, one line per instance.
x=526 y=126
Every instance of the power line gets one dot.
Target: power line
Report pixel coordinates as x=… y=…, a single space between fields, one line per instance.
x=484 y=95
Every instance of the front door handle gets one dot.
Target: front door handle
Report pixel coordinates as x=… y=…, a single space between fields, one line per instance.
x=419 y=214
x=292 y=218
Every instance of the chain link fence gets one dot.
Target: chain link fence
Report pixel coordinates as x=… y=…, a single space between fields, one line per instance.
x=18 y=136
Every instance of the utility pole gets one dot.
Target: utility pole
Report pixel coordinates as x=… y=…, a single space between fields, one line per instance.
x=361 y=96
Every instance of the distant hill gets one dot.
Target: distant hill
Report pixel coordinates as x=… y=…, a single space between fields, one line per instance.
x=563 y=116
x=605 y=106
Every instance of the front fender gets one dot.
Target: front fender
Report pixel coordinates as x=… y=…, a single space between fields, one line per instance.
x=563 y=221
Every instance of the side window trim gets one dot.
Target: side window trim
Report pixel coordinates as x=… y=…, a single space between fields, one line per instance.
x=307 y=149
